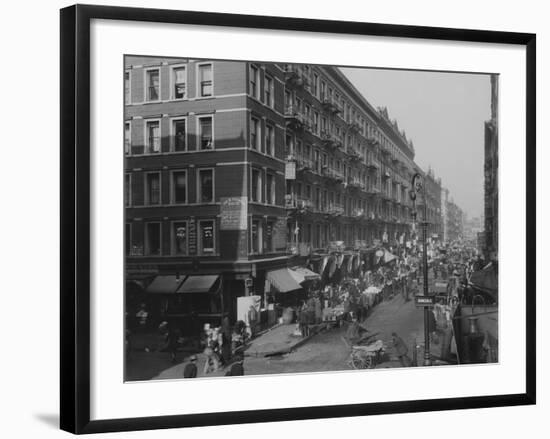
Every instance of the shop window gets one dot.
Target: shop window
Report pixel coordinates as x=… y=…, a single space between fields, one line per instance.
x=207 y=238
x=179 y=238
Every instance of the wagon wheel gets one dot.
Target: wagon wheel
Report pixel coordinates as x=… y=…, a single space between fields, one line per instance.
x=357 y=362
x=369 y=362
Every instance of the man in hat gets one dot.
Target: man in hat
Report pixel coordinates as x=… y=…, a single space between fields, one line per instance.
x=190 y=369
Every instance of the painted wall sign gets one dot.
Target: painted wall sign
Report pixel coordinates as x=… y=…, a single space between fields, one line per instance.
x=233 y=213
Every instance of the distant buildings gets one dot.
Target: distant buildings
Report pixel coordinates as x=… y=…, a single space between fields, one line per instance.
x=490 y=248
x=454 y=222
x=434 y=203
x=473 y=226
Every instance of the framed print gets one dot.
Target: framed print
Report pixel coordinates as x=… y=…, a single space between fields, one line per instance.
x=292 y=219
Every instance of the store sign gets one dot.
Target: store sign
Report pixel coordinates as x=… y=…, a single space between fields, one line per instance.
x=290 y=170
x=192 y=237
x=233 y=213
x=424 y=300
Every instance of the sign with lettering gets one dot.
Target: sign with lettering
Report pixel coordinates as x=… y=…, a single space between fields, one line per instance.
x=192 y=237
x=290 y=170
x=424 y=300
x=233 y=213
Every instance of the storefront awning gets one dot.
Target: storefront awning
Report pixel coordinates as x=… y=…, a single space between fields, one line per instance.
x=302 y=274
x=198 y=284
x=283 y=280
x=165 y=284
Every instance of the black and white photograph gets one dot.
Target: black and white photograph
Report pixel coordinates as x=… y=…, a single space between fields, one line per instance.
x=301 y=218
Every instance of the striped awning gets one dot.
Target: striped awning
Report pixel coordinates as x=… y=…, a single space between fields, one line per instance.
x=282 y=280
x=198 y=284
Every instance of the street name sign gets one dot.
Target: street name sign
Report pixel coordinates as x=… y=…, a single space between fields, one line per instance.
x=424 y=300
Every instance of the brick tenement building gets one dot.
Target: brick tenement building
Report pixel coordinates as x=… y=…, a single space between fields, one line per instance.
x=350 y=166
x=434 y=195
x=230 y=166
x=490 y=249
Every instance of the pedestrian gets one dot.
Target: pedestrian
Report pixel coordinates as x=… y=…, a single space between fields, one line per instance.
x=346 y=309
x=310 y=312
x=318 y=310
x=212 y=363
x=226 y=340
x=142 y=317
x=190 y=369
x=236 y=368
x=401 y=350
x=171 y=338
x=303 y=320
x=252 y=319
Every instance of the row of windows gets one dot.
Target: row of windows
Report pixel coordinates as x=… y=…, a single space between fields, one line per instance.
x=148 y=241
x=178 y=187
x=178 y=83
x=265 y=143
x=262 y=187
x=255 y=81
x=205 y=139
x=323 y=92
x=320 y=235
x=178 y=135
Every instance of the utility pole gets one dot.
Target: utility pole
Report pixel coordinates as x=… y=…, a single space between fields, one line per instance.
x=419 y=186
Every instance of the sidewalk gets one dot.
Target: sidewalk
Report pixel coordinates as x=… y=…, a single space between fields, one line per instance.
x=278 y=340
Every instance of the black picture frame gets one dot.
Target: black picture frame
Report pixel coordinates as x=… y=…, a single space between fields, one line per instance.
x=75 y=217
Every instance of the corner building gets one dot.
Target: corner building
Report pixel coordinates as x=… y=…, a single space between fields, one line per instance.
x=233 y=168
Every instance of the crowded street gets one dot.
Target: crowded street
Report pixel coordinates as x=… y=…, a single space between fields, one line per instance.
x=311 y=235
x=377 y=310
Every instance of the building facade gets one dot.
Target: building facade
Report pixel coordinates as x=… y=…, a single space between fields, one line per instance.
x=234 y=168
x=490 y=249
x=434 y=199
x=349 y=167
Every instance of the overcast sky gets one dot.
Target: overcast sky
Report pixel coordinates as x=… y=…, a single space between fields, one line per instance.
x=443 y=114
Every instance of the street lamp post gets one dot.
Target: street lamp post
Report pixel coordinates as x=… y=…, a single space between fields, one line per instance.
x=419 y=186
